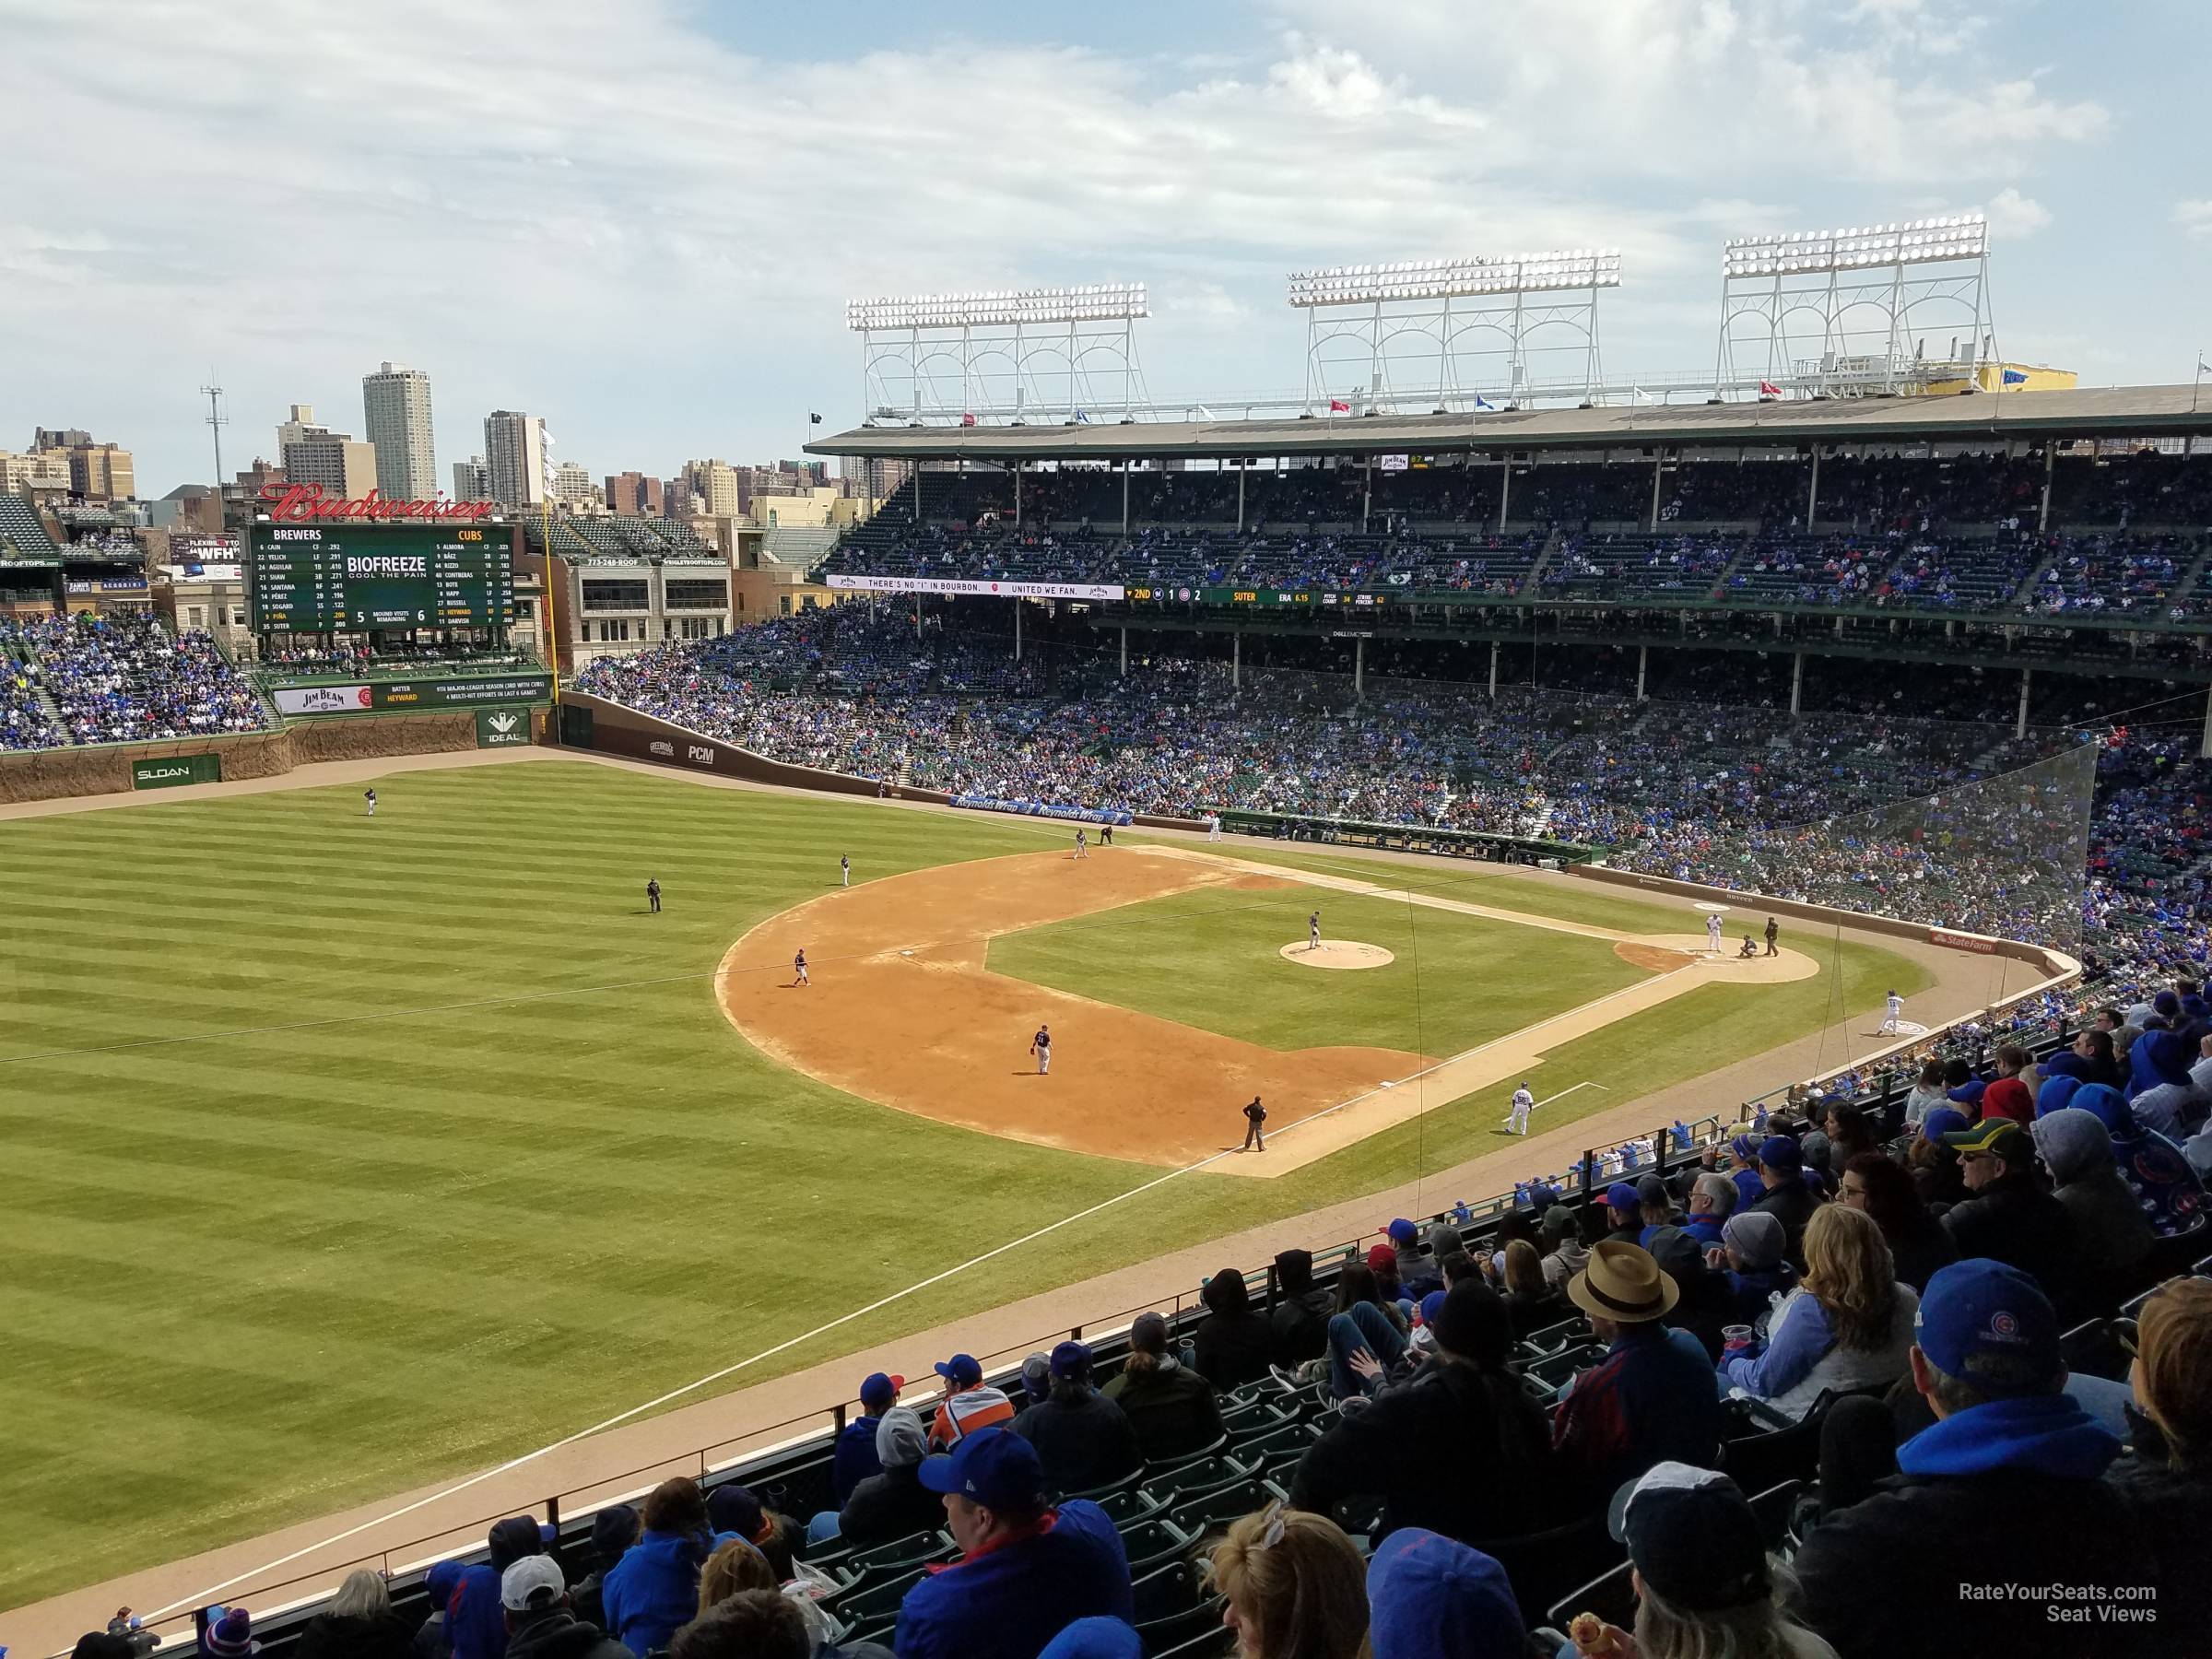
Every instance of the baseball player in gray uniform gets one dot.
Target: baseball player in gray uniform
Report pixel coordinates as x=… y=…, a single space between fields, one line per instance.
x=1314 y=930
x=1040 y=1045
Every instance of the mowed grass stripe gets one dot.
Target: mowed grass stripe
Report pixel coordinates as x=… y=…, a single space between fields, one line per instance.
x=282 y=1272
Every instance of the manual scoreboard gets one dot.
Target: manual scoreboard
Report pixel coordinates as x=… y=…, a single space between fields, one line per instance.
x=356 y=577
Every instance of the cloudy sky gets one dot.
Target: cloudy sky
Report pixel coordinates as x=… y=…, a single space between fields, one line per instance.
x=639 y=219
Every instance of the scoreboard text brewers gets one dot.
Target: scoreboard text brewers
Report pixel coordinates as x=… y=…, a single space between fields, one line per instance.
x=355 y=578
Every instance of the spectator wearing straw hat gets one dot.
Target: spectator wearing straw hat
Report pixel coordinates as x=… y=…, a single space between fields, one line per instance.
x=1652 y=1399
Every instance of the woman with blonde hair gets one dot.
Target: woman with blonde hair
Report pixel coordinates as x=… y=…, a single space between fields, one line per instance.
x=2168 y=1481
x=736 y=1566
x=1295 y=1585
x=1847 y=1326
x=359 y=1623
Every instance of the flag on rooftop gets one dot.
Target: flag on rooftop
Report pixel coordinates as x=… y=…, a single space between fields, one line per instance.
x=2014 y=377
x=1483 y=403
x=967 y=419
x=1769 y=389
x=1338 y=406
x=1082 y=417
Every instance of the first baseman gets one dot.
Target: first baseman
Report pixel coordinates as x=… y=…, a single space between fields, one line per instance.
x=1524 y=1103
x=1040 y=1045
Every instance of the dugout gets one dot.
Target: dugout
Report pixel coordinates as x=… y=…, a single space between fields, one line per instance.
x=1407 y=837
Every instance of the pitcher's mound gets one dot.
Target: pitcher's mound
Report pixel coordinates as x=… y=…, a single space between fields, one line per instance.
x=1338 y=953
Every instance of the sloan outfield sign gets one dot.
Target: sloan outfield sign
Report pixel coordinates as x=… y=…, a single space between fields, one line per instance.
x=395 y=697
x=172 y=771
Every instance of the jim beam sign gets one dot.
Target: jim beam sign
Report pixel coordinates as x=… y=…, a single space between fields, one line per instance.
x=502 y=728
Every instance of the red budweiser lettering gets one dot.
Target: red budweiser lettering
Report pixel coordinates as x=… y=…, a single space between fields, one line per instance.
x=303 y=503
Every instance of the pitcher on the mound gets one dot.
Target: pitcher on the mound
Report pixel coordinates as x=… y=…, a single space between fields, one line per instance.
x=1314 y=930
x=1040 y=1045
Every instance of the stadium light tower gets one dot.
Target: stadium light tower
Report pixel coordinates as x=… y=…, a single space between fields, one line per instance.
x=1009 y=354
x=1446 y=330
x=1845 y=312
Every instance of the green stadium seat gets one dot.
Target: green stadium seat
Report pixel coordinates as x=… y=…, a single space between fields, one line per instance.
x=900 y=1553
x=1291 y=1441
x=1175 y=1588
x=1552 y=1338
x=1152 y=1543
x=1126 y=1507
x=1119 y=1484
x=1195 y=1455
x=1203 y=1512
x=1212 y=1644
x=1199 y=1474
x=1542 y=1566
x=1173 y=1633
x=867 y=1603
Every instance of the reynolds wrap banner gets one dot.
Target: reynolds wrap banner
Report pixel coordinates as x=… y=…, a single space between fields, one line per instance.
x=1002 y=590
x=1077 y=815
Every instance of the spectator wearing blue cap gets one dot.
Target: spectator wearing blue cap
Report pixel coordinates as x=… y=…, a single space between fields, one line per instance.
x=652 y=1590
x=2004 y=1490
x=435 y=1639
x=1783 y=1194
x=1651 y=1398
x=1026 y=1571
x=1743 y=1169
x=969 y=1403
x=1432 y=1597
x=853 y=1459
x=1624 y=1213
x=1082 y=1438
x=1459 y=1448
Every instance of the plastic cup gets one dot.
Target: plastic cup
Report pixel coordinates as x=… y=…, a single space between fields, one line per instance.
x=1735 y=1335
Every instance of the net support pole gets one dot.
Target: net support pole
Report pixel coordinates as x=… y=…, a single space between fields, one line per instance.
x=1494 y=674
x=1018 y=494
x=1658 y=461
x=1236 y=662
x=1796 y=681
x=1505 y=487
x=1017 y=630
x=1241 y=471
x=1812 y=492
x=1124 y=497
x=1124 y=651
x=2042 y=517
x=1643 y=658
x=2204 y=749
x=1367 y=491
x=1358 y=668
x=2019 y=726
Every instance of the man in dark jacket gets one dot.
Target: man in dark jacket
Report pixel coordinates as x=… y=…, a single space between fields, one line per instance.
x=2004 y=1491
x=893 y=1503
x=1170 y=1408
x=434 y=1640
x=614 y=1530
x=1624 y=1213
x=1461 y=1449
x=1783 y=1194
x=853 y=1459
x=540 y=1624
x=1026 y=1570
x=2006 y=1215
x=1082 y=1438
x=1297 y=1328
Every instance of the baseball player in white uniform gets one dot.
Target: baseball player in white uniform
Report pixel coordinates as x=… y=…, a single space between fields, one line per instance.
x=1082 y=845
x=1213 y=826
x=1892 y=1011
x=844 y=868
x=1712 y=935
x=1314 y=930
x=1524 y=1103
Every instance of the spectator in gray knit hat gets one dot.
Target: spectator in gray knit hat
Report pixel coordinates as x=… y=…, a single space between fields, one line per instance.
x=1564 y=1253
x=1751 y=1245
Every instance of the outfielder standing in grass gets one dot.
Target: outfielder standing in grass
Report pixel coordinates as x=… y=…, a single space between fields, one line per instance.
x=1040 y=1045
x=653 y=894
x=844 y=869
x=370 y=795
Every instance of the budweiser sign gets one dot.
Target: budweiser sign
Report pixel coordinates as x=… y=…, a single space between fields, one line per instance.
x=306 y=504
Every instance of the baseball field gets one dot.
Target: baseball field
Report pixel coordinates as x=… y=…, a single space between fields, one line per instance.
x=344 y=1154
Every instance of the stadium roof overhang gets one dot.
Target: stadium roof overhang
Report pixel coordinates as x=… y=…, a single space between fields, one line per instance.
x=1978 y=418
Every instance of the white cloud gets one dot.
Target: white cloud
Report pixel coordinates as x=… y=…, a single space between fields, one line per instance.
x=604 y=215
x=2194 y=217
x=2013 y=215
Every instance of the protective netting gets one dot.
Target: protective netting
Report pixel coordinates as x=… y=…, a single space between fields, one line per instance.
x=2005 y=854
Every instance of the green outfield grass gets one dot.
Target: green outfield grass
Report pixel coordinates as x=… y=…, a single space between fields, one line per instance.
x=1213 y=960
x=347 y=1155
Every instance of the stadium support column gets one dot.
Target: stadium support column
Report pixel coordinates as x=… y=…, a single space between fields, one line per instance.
x=1124 y=497
x=1643 y=658
x=1358 y=668
x=1796 y=681
x=1493 y=671
x=1018 y=494
x=2019 y=726
x=1658 y=461
x=1124 y=651
x=2204 y=749
x=1017 y=630
x=1812 y=492
x=1367 y=491
x=2042 y=517
x=1241 y=471
x=1236 y=662
x=1505 y=487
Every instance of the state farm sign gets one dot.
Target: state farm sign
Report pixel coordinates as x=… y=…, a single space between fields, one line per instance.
x=303 y=503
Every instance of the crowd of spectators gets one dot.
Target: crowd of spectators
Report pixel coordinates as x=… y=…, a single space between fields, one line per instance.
x=1407 y=1467
x=118 y=679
